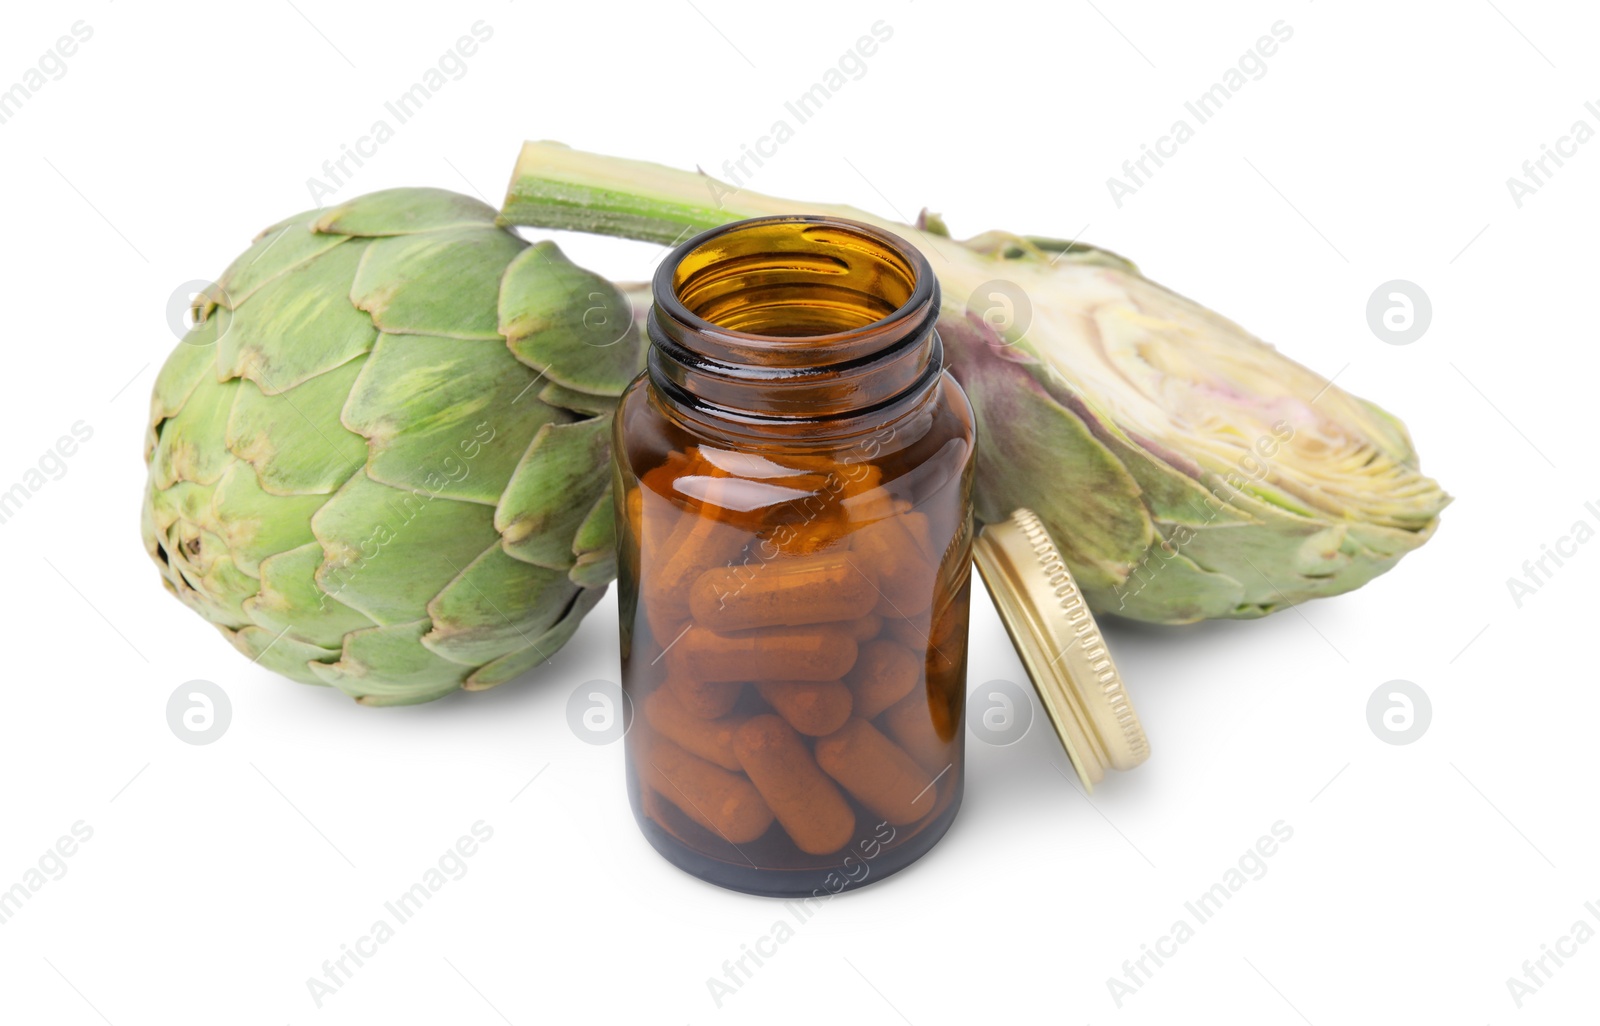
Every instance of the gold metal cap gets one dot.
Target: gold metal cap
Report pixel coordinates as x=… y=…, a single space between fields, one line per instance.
x=1061 y=647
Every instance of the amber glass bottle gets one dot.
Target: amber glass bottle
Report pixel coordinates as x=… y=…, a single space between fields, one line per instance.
x=793 y=486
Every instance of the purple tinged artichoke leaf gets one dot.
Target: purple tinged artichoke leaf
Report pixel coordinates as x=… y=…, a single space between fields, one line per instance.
x=1035 y=452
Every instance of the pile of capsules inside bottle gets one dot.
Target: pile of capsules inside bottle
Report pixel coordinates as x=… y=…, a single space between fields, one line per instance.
x=801 y=681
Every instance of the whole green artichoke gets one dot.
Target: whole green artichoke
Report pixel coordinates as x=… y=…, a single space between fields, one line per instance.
x=1185 y=468
x=380 y=459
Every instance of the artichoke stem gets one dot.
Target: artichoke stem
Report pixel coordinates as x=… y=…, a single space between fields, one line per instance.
x=555 y=186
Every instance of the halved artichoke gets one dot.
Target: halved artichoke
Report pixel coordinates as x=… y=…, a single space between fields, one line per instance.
x=1185 y=468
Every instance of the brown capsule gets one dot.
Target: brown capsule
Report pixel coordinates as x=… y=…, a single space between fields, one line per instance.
x=867 y=505
x=920 y=723
x=816 y=652
x=865 y=628
x=658 y=479
x=820 y=533
x=787 y=591
x=696 y=544
x=911 y=633
x=845 y=474
x=895 y=550
x=666 y=624
x=877 y=772
x=857 y=478
x=749 y=503
x=706 y=700
x=657 y=515
x=885 y=672
x=757 y=467
x=725 y=803
x=654 y=807
x=808 y=805
x=709 y=739
x=811 y=707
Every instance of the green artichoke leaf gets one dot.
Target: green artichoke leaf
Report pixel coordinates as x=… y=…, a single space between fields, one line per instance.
x=1073 y=251
x=388 y=666
x=173 y=517
x=152 y=534
x=564 y=472
x=390 y=550
x=189 y=443
x=281 y=654
x=1033 y=439
x=1167 y=586
x=303 y=217
x=570 y=323
x=446 y=415
x=205 y=577
x=298 y=325
x=275 y=252
x=403 y=212
x=579 y=402
x=290 y=600
x=294 y=439
x=184 y=502
x=510 y=666
x=1389 y=543
x=473 y=621
x=193 y=359
x=254 y=524
x=444 y=282
x=595 y=546
x=1303 y=560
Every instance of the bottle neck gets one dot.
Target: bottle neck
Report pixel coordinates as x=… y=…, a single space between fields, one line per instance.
x=794 y=320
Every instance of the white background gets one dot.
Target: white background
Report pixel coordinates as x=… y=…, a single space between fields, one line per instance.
x=1377 y=146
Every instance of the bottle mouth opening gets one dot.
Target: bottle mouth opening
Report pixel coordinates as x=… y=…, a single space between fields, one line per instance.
x=798 y=291
x=794 y=317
